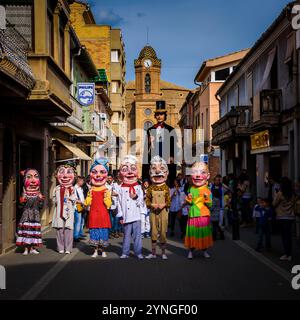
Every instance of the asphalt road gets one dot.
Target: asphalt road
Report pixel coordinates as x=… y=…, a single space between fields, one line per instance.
x=234 y=271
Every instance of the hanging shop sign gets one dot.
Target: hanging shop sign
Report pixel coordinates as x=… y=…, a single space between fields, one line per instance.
x=260 y=140
x=86 y=93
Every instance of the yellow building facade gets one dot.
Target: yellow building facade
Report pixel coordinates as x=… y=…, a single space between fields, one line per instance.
x=106 y=46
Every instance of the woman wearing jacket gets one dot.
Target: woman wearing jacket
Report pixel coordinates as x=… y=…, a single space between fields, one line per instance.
x=284 y=202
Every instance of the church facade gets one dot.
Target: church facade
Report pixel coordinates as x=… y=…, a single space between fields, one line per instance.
x=141 y=97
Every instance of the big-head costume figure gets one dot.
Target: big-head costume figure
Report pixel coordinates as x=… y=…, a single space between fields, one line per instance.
x=99 y=201
x=199 y=231
x=158 y=201
x=130 y=206
x=161 y=141
x=31 y=202
x=64 y=200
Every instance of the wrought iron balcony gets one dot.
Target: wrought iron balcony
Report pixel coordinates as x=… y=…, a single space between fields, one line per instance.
x=223 y=131
x=13 y=56
x=270 y=101
x=267 y=110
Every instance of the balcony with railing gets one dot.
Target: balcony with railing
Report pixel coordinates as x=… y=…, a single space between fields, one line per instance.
x=13 y=57
x=224 y=132
x=266 y=109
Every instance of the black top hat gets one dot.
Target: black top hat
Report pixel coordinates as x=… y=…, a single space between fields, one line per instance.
x=160 y=106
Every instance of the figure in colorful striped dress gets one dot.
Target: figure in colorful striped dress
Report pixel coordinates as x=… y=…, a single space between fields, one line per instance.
x=29 y=227
x=199 y=231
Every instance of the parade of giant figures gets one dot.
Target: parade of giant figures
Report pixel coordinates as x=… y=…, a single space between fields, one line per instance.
x=124 y=206
x=166 y=169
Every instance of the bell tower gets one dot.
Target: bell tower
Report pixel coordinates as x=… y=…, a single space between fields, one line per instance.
x=147 y=75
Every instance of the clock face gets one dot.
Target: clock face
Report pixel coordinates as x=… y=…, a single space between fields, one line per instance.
x=147 y=63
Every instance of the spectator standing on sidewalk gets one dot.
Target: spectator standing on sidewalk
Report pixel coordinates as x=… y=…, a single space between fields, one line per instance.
x=215 y=215
x=78 y=214
x=256 y=213
x=112 y=210
x=264 y=224
x=145 y=217
x=284 y=203
x=176 y=205
x=244 y=186
x=218 y=185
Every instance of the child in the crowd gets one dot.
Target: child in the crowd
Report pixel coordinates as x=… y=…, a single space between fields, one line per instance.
x=215 y=215
x=264 y=224
x=112 y=211
x=176 y=205
x=228 y=208
x=145 y=217
x=185 y=208
x=256 y=214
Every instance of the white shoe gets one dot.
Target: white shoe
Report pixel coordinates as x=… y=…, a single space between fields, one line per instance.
x=104 y=254
x=34 y=251
x=164 y=257
x=25 y=253
x=206 y=255
x=95 y=254
x=124 y=256
x=61 y=251
x=68 y=252
x=151 y=256
x=190 y=255
x=140 y=257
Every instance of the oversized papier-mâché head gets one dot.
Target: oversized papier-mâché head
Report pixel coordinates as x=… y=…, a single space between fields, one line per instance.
x=66 y=175
x=99 y=171
x=200 y=174
x=129 y=169
x=158 y=170
x=32 y=181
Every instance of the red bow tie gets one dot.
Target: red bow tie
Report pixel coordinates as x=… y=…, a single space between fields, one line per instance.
x=130 y=186
x=159 y=125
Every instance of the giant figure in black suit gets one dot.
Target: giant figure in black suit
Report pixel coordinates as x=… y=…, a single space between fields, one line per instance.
x=161 y=140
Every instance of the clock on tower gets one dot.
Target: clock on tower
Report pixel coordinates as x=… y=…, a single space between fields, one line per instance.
x=147 y=75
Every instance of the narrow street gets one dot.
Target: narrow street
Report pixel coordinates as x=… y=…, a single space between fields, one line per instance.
x=235 y=271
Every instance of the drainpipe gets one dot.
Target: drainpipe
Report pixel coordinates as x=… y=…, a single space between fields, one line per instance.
x=72 y=73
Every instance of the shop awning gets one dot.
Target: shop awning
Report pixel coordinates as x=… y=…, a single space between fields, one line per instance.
x=75 y=150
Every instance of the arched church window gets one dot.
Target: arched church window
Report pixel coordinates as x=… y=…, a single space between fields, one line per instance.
x=147 y=83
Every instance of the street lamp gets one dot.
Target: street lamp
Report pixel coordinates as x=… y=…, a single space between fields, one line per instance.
x=233 y=117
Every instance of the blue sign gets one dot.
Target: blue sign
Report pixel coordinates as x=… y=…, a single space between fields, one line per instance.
x=204 y=158
x=86 y=93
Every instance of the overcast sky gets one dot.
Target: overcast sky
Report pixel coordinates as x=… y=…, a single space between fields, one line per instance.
x=184 y=33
